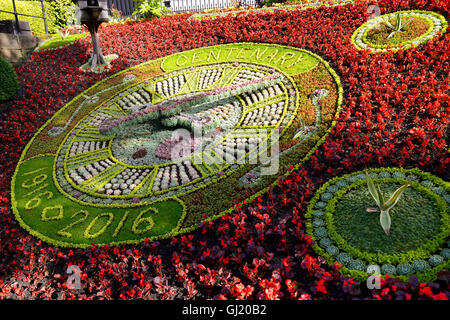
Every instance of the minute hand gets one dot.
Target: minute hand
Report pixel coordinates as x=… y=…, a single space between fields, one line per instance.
x=175 y=106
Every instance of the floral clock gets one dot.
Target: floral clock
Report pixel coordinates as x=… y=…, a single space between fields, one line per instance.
x=157 y=149
x=345 y=232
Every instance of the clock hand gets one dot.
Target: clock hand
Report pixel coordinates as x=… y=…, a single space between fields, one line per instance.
x=175 y=106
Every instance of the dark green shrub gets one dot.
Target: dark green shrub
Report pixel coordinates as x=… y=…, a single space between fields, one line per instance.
x=8 y=81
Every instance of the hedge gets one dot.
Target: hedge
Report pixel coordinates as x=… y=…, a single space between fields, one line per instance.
x=8 y=81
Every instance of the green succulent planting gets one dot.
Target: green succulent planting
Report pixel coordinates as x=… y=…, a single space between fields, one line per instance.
x=384 y=206
x=397 y=26
x=418 y=241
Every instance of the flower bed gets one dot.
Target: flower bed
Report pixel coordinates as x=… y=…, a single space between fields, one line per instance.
x=345 y=232
x=394 y=113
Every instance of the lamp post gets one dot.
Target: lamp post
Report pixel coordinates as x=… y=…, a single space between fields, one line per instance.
x=93 y=14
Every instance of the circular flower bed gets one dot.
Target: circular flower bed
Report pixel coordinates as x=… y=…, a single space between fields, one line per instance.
x=399 y=30
x=418 y=242
x=121 y=147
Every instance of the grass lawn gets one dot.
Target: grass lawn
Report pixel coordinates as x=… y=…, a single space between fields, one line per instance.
x=58 y=41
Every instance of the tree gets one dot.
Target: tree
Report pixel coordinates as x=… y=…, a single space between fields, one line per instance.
x=149 y=9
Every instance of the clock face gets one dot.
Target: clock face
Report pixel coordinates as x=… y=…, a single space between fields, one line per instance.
x=148 y=159
x=156 y=149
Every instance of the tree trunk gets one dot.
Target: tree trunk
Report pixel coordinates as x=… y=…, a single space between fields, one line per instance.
x=97 y=54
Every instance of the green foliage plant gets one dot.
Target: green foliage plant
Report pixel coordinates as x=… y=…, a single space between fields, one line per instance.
x=149 y=9
x=397 y=26
x=64 y=12
x=8 y=81
x=384 y=206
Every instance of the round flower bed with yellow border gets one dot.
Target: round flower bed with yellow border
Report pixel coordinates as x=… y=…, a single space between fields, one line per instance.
x=414 y=28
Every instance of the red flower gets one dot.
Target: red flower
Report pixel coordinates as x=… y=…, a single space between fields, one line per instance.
x=440 y=296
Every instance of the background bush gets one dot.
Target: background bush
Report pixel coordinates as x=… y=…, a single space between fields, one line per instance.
x=64 y=12
x=32 y=8
x=149 y=9
x=270 y=2
x=8 y=81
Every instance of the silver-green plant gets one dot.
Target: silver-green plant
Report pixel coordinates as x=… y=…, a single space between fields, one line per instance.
x=63 y=34
x=303 y=131
x=397 y=26
x=383 y=206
